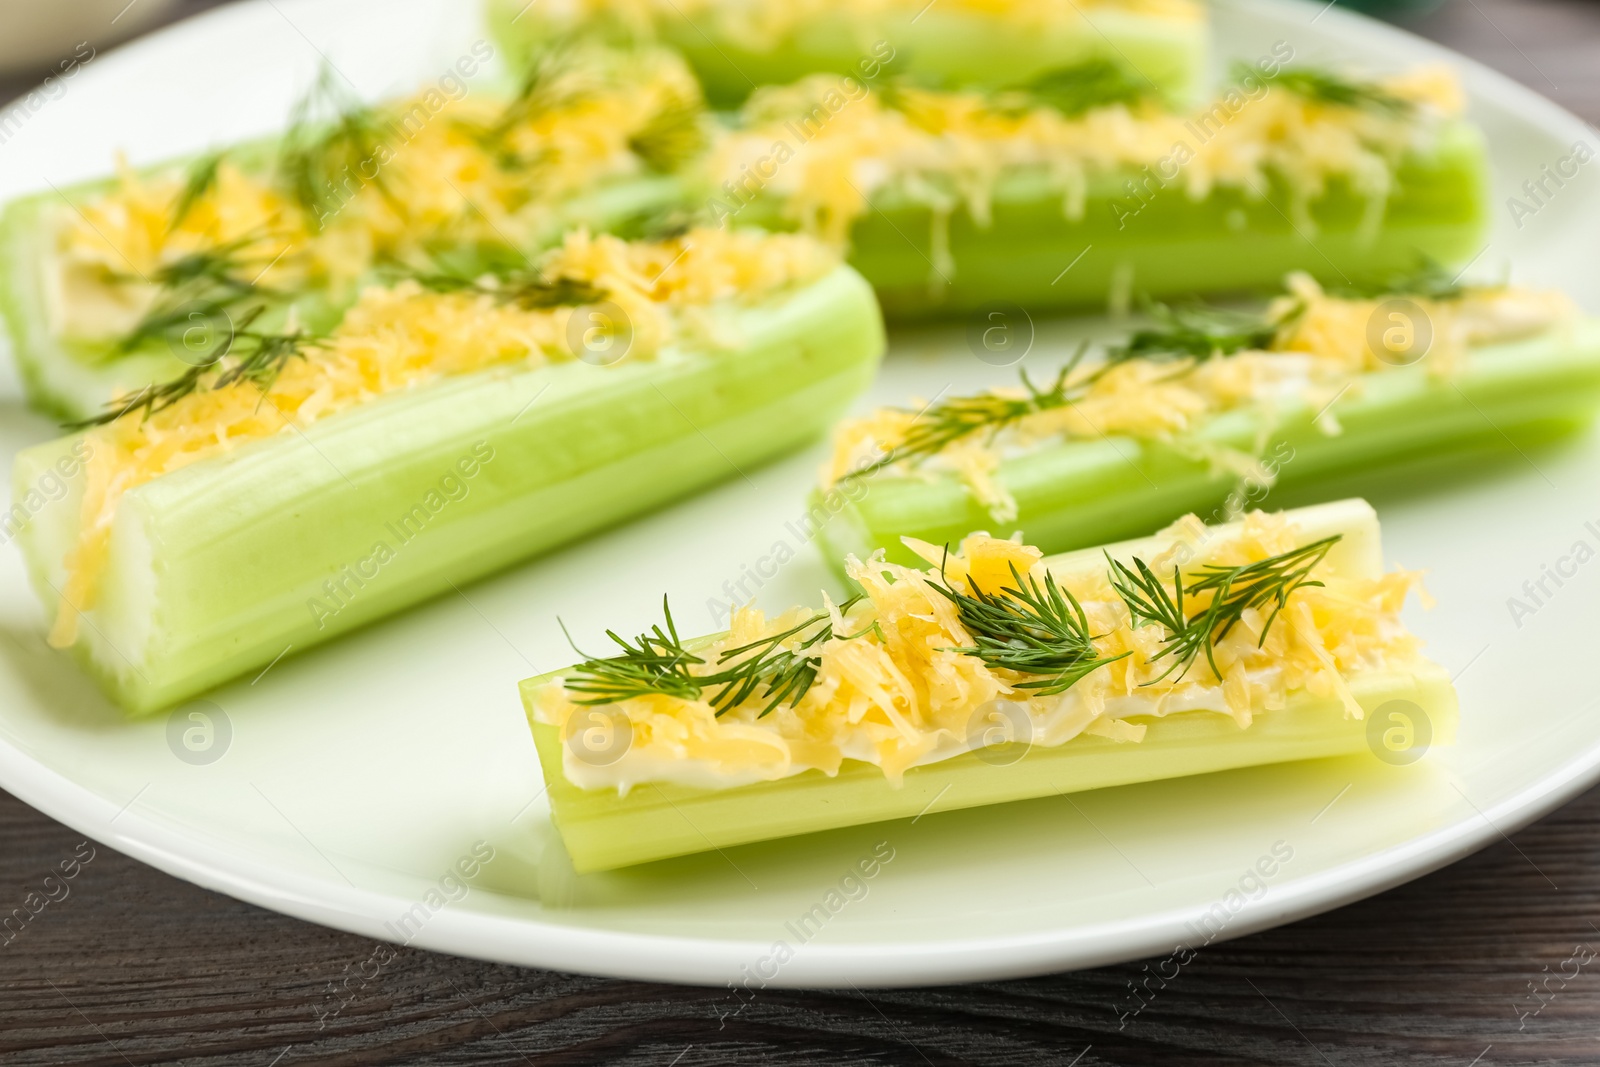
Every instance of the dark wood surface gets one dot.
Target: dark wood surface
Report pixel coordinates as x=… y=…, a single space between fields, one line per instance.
x=134 y=967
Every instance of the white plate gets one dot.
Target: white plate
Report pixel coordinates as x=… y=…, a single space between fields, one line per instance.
x=358 y=775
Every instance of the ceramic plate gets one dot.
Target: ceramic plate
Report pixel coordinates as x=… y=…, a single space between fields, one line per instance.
x=345 y=786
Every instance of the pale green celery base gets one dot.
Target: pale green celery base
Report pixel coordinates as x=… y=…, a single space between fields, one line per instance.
x=1080 y=493
x=951 y=48
x=73 y=380
x=236 y=549
x=602 y=830
x=61 y=380
x=1160 y=244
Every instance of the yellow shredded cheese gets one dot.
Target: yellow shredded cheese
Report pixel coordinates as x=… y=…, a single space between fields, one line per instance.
x=891 y=689
x=403 y=337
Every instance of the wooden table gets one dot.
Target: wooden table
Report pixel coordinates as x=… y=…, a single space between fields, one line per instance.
x=135 y=967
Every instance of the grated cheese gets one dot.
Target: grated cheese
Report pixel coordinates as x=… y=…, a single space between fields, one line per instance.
x=896 y=695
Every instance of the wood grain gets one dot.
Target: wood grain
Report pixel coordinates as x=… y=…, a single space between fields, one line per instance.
x=134 y=967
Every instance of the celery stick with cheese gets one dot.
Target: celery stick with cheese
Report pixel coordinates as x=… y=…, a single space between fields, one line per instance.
x=988 y=675
x=949 y=202
x=737 y=45
x=1208 y=409
x=297 y=487
x=118 y=283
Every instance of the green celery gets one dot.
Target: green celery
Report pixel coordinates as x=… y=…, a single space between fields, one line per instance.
x=1156 y=242
x=603 y=830
x=1082 y=492
x=954 y=47
x=216 y=568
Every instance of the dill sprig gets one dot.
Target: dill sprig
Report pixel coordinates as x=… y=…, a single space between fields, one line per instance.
x=1430 y=280
x=149 y=399
x=549 y=83
x=1234 y=590
x=657 y=662
x=530 y=292
x=1080 y=88
x=1326 y=87
x=654 y=662
x=322 y=158
x=507 y=275
x=941 y=424
x=244 y=355
x=200 y=180
x=1030 y=627
x=1197 y=332
x=787 y=673
x=203 y=285
x=671 y=137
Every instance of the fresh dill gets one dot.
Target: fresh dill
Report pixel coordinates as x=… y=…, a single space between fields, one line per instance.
x=658 y=662
x=200 y=180
x=507 y=275
x=1081 y=88
x=1030 y=627
x=324 y=161
x=944 y=422
x=787 y=673
x=1430 y=280
x=1326 y=87
x=202 y=286
x=149 y=399
x=669 y=138
x=258 y=358
x=654 y=662
x=243 y=355
x=1197 y=332
x=551 y=81
x=1257 y=586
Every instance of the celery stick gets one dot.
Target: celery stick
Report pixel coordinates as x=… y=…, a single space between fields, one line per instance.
x=71 y=379
x=1082 y=492
x=957 y=47
x=604 y=830
x=216 y=568
x=1159 y=243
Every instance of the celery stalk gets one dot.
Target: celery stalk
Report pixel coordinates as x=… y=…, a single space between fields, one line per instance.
x=954 y=47
x=1137 y=238
x=71 y=379
x=216 y=568
x=1082 y=492
x=603 y=830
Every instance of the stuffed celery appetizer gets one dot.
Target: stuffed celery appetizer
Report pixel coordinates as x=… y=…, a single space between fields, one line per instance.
x=992 y=676
x=950 y=201
x=117 y=283
x=297 y=488
x=1208 y=409
x=736 y=45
